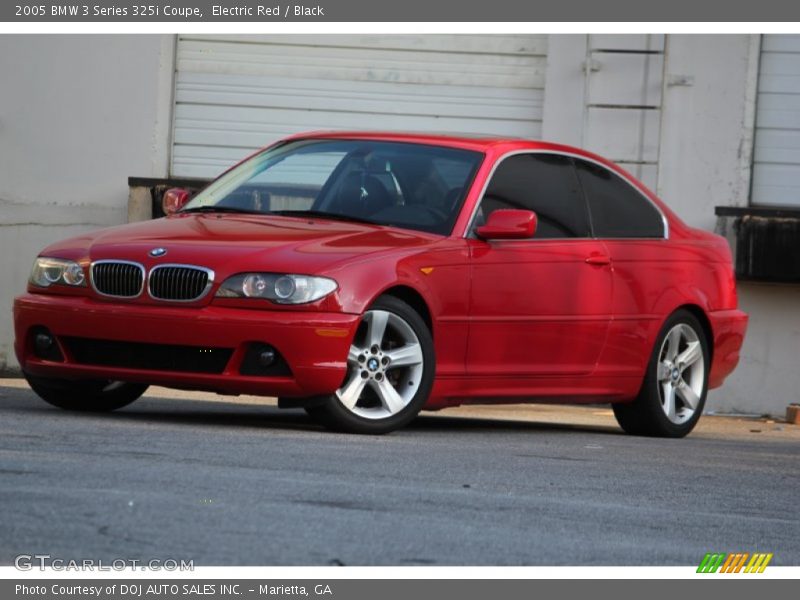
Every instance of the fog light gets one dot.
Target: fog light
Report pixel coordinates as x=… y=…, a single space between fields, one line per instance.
x=263 y=360
x=43 y=342
x=45 y=346
x=267 y=357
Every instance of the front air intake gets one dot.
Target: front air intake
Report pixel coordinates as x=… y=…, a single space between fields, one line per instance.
x=150 y=357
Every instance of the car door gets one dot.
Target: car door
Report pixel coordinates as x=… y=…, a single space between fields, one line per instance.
x=635 y=233
x=540 y=306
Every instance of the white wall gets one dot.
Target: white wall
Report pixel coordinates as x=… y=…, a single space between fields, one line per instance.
x=565 y=89
x=78 y=115
x=707 y=124
x=768 y=378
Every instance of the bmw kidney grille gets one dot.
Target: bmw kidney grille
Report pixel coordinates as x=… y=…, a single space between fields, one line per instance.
x=179 y=283
x=119 y=279
x=174 y=283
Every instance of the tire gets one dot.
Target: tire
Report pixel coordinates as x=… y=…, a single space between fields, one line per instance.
x=390 y=373
x=86 y=396
x=675 y=385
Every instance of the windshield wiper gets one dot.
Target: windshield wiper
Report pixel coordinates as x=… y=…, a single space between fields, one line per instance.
x=221 y=209
x=322 y=214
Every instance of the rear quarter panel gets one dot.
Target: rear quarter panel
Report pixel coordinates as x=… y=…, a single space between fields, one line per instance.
x=652 y=279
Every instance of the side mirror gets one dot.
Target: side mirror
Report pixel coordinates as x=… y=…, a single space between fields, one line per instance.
x=508 y=224
x=173 y=200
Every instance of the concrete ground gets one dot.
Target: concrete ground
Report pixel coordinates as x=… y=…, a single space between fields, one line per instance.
x=235 y=481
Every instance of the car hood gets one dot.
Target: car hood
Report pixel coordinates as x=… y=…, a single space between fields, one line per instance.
x=231 y=243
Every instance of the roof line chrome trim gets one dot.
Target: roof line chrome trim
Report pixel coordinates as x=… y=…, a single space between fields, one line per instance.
x=511 y=153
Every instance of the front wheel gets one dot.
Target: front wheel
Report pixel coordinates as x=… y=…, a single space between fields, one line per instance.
x=390 y=370
x=88 y=396
x=674 y=389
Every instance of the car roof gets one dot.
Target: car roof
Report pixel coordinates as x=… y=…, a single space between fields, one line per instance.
x=479 y=142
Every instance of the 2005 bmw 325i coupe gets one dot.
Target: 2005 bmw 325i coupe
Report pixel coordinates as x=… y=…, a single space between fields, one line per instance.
x=367 y=276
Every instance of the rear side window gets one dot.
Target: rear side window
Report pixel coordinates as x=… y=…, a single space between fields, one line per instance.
x=543 y=183
x=617 y=209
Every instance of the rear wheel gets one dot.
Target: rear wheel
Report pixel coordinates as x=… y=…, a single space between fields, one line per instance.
x=90 y=396
x=674 y=390
x=390 y=369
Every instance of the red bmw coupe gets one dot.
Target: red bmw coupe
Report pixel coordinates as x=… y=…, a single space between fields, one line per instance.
x=367 y=276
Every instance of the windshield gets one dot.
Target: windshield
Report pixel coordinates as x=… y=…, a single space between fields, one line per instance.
x=400 y=184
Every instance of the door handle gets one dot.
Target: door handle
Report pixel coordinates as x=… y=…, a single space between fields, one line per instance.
x=598 y=260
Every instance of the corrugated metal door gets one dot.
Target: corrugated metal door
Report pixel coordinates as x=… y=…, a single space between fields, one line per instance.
x=776 y=159
x=234 y=94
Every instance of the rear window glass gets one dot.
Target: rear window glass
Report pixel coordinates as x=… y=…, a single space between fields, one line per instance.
x=617 y=209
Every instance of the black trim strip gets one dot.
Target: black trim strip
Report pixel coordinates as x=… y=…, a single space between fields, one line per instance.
x=192 y=182
x=790 y=212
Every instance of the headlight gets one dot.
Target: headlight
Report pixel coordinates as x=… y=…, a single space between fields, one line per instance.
x=283 y=289
x=47 y=271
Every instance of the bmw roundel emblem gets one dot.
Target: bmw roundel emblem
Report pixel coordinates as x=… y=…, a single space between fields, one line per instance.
x=156 y=252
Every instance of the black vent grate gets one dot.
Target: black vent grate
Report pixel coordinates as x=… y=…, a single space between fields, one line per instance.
x=120 y=279
x=178 y=283
x=153 y=357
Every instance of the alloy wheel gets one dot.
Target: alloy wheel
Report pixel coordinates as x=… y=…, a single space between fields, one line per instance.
x=385 y=366
x=681 y=373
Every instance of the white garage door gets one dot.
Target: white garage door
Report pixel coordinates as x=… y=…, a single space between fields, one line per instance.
x=776 y=160
x=235 y=94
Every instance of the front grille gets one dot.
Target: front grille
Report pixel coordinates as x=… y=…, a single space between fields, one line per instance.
x=152 y=357
x=179 y=283
x=120 y=279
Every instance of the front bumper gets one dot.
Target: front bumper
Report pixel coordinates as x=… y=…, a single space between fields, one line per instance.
x=314 y=345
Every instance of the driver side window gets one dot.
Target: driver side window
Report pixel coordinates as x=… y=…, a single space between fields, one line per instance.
x=544 y=183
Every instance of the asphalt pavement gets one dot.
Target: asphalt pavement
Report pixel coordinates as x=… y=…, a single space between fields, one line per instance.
x=239 y=482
